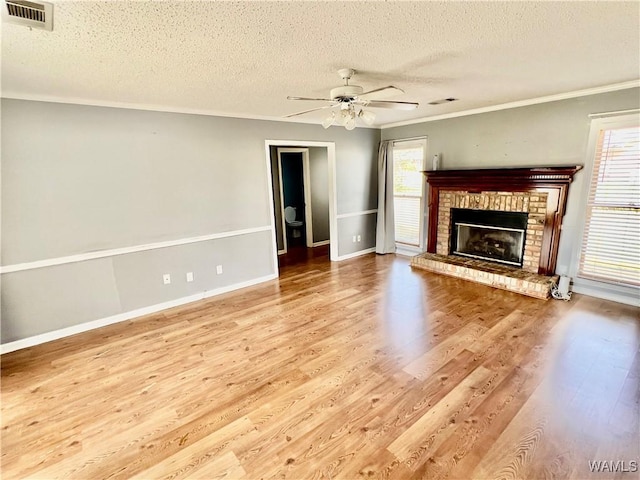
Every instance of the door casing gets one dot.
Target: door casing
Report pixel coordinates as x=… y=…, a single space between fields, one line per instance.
x=333 y=221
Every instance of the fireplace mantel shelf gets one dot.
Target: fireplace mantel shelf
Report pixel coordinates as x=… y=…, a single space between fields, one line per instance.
x=485 y=178
x=553 y=181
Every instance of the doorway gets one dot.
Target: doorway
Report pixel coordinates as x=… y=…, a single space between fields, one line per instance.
x=310 y=168
x=295 y=198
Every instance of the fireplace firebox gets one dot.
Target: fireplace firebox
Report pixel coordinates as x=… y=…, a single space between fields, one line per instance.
x=490 y=235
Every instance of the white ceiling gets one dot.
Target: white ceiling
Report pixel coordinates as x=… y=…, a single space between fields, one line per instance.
x=244 y=58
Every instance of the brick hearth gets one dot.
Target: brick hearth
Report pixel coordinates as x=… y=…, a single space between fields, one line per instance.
x=488 y=273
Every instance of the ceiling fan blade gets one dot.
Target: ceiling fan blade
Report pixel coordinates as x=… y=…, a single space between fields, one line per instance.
x=383 y=92
x=393 y=105
x=315 y=99
x=307 y=111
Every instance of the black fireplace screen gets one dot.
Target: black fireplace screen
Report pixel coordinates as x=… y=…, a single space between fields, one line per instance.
x=489 y=235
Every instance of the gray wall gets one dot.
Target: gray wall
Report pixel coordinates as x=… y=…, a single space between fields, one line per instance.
x=553 y=133
x=319 y=176
x=357 y=192
x=78 y=179
x=362 y=225
x=33 y=301
x=357 y=188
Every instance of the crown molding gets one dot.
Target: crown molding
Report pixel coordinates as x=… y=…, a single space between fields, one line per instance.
x=520 y=103
x=217 y=113
x=146 y=107
x=154 y=108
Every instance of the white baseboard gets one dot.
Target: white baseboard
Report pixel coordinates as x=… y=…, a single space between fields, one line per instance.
x=407 y=251
x=606 y=295
x=320 y=244
x=356 y=254
x=121 y=317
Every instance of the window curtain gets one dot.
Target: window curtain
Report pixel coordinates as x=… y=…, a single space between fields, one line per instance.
x=385 y=229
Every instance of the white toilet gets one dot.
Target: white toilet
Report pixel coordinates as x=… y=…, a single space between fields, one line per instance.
x=292 y=223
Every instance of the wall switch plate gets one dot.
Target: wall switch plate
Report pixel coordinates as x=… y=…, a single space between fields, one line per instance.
x=166 y=279
x=219 y=269
x=359 y=238
x=189 y=276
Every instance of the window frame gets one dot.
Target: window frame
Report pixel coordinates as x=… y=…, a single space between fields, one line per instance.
x=408 y=143
x=598 y=123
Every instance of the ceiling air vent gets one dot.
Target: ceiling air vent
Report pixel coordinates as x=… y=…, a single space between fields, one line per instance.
x=444 y=100
x=31 y=14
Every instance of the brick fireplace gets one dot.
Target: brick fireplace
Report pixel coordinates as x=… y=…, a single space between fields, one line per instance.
x=526 y=202
x=537 y=194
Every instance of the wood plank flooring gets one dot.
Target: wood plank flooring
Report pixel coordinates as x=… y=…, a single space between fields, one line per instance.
x=357 y=369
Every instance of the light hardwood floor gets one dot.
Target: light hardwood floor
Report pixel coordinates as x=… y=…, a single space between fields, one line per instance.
x=357 y=369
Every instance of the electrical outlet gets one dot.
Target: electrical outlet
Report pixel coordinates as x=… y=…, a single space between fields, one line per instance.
x=166 y=279
x=189 y=276
x=359 y=238
x=219 y=269
x=354 y=239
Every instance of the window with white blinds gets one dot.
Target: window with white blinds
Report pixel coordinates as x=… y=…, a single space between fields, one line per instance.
x=408 y=190
x=611 y=242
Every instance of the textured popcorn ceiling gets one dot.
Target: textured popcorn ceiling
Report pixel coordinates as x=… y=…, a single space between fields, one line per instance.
x=244 y=58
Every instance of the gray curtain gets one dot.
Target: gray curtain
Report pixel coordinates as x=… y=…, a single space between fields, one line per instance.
x=385 y=229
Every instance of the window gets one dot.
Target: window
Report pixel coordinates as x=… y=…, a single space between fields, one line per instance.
x=408 y=190
x=611 y=242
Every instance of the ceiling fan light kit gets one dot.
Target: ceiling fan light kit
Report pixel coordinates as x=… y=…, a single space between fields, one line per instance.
x=327 y=122
x=367 y=117
x=348 y=97
x=348 y=116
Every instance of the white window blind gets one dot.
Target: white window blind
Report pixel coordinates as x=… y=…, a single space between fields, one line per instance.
x=408 y=190
x=611 y=243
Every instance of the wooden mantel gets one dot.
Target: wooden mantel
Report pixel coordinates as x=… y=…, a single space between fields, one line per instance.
x=552 y=180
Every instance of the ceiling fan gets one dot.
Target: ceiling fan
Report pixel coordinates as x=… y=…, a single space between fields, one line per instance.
x=347 y=98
